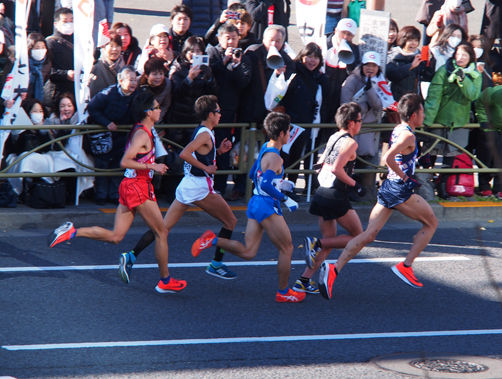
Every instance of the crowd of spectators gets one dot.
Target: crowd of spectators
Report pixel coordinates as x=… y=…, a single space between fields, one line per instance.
x=452 y=67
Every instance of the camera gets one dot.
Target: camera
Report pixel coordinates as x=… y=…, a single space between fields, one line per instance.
x=237 y=52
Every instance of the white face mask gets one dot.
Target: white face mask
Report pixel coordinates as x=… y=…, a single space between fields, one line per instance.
x=37 y=117
x=454 y=41
x=66 y=28
x=478 y=51
x=38 y=54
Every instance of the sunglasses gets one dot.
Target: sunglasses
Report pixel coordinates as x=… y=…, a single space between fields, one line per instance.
x=157 y=107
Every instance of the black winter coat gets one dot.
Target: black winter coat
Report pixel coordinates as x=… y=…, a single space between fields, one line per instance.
x=492 y=19
x=231 y=81
x=61 y=49
x=204 y=14
x=185 y=92
x=253 y=105
x=300 y=99
x=259 y=11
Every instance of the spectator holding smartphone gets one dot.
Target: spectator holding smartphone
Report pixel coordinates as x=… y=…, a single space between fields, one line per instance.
x=190 y=81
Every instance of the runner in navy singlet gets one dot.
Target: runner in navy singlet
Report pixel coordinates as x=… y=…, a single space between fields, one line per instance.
x=396 y=193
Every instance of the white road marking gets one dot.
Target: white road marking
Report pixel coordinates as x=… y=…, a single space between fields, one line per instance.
x=208 y=341
x=234 y=264
x=430 y=244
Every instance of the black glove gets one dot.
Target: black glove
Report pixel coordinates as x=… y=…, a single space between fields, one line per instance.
x=367 y=87
x=360 y=190
x=483 y=125
x=412 y=183
x=460 y=74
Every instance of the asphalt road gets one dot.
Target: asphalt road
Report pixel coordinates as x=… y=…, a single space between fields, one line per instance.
x=65 y=311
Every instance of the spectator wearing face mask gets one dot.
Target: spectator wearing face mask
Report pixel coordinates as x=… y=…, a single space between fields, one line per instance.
x=60 y=46
x=442 y=49
x=40 y=65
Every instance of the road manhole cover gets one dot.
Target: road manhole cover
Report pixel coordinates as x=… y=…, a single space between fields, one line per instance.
x=441 y=365
x=448 y=365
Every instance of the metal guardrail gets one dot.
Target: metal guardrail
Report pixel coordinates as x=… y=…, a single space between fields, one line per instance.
x=250 y=137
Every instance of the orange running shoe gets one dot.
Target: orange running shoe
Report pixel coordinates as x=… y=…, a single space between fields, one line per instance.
x=173 y=286
x=290 y=297
x=406 y=275
x=203 y=242
x=327 y=276
x=62 y=233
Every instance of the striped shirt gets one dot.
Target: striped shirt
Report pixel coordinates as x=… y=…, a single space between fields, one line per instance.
x=335 y=6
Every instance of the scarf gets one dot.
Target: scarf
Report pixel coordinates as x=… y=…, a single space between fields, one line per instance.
x=37 y=78
x=114 y=67
x=469 y=70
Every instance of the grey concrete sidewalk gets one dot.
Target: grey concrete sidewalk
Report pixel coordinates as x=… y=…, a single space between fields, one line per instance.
x=88 y=213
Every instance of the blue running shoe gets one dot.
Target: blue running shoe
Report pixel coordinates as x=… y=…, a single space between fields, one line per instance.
x=312 y=249
x=221 y=272
x=125 y=266
x=311 y=287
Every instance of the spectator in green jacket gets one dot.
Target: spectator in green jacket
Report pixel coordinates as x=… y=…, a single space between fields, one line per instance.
x=453 y=89
x=489 y=150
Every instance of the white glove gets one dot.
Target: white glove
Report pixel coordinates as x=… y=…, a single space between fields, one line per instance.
x=291 y=204
x=286 y=186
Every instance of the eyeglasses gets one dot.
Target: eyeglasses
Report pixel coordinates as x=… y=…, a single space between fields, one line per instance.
x=157 y=107
x=217 y=111
x=358 y=120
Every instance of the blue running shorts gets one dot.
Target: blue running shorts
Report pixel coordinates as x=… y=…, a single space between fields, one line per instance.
x=393 y=192
x=262 y=207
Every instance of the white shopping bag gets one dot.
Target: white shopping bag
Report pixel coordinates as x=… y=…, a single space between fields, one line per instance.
x=276 y=89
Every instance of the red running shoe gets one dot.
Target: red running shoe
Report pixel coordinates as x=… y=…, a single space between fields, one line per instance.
x=290 y=297
x=327 y=276
x=406 y=275
x=203 y=242
x=173 y=286
x=61 y=234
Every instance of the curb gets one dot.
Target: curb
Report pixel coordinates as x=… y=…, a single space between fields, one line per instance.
x=24 y=217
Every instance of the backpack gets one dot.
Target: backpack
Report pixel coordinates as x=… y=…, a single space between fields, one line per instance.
x=461 y=184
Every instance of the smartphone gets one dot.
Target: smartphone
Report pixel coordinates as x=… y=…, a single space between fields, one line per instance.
x=199 y=60
x=233 y=15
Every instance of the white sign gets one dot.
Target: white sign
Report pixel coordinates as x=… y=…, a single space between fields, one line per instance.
x=83 y=19
x=311 y=19
x=373 y=34
x=16 y=83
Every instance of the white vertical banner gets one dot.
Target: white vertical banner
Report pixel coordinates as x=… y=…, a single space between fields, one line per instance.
x=83 y=50
x=373 y=34
x=17 y=81
x=311 y=19
x=83 y=45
